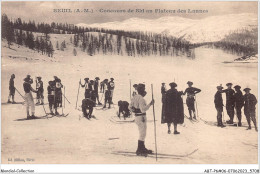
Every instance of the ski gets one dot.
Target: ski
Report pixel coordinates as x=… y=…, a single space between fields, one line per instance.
x=35 y=118
x=12 y=103
x=153 y=155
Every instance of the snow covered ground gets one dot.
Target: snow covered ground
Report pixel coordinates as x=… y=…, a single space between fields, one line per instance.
x=73 y=139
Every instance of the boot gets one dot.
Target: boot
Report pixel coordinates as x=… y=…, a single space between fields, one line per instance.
x=147 y=150
x=28 y=115
x=33 y=116
x=176 y=132
x=38 y=102
x=239 y=124
x=9 y=101
x=140 y=150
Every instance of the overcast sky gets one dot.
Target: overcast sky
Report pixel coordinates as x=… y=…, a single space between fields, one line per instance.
x=43 y=11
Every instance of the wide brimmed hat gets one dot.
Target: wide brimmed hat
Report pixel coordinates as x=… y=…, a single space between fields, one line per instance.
x=55 y=77
x=135 y=85
x=173 y=84
x=247 y=89
x=140 y=88
x=86 y=79
x=237 y=87
x=39 y=77
x=228 y=84
x=189 y=82
x=112 y=78
x=163 y=83
x=97 y=78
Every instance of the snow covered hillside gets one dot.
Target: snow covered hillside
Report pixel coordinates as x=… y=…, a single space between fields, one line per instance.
x=209 y=29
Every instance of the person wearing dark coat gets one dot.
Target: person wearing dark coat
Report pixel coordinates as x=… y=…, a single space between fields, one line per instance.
x=88 y=105
x=191 y=92
x=51 y=94
x=218 y=101
x=40 y=90
x=239 y=103
x=174 y=112
x=250 y=102
x=58 y=92
x=163 y=92
x=11 y=89
x=230 y=102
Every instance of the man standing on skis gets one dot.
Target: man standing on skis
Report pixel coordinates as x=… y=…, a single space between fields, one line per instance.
x=191 y=92
x=111 y=87
x=39 y=88
x=58 y=92
x=51 y=93
x=239 y=103
x=11 y=89
x=139 y=107
x=163 y=92
x=219 y=105
x=107 y=94
x=96 y=84
x=249 y=108
x=230 y=102
x=86 y=85
x=28 y=96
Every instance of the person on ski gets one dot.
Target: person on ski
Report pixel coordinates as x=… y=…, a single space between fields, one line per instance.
x=111 y=87
x=39 y=88
x=51 y=93
x=174 y=112
x=135 y=90
x=58 y=92
x=96 y=84
x=163 y=92
x=191 y=92
x=28 y=96
x=219 y=105
x=139 y=107
x=230 y=102
x=87 y=87
x=239 y=103
x=250 y=102
x=107 y=94
x=11 y=89
x=102 y=87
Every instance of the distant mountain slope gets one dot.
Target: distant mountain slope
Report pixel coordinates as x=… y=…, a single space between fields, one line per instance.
x=210 y=29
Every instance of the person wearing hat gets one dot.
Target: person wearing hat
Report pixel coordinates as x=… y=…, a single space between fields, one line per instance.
x=230 y=102
x=107 y=94
x=39 y=88
x=219 y=105
x=58 y=92
x=174 y=112
x=96 y=84
x=51 y=93
x=135 y=90
x=139 y=107
x=28 y=96
x=87 y=87
x=111 y=87
x=191 y=92
x=163 y=92
x=102 y=86
x=250 y=102
x=239 y=103
x=11 y=89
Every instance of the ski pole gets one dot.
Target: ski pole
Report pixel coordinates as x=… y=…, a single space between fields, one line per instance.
x=77 y=96
x=196 y=106
x=154 y=123
x=19 y=93
x=66 y=98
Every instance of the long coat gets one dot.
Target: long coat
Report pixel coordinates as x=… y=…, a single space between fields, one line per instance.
x=174 y=111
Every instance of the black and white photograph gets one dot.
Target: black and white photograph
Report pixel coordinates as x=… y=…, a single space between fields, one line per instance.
x=121 y=82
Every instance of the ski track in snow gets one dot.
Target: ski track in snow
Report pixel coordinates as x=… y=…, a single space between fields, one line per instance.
x=74 y=139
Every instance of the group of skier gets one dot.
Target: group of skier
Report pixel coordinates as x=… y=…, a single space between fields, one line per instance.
x=235 y=101
x=92 y=96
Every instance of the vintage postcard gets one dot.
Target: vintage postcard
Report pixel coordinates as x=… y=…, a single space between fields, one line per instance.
x=129 y=82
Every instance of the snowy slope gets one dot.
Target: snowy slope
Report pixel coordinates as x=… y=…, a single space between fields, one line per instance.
x=209 y=29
